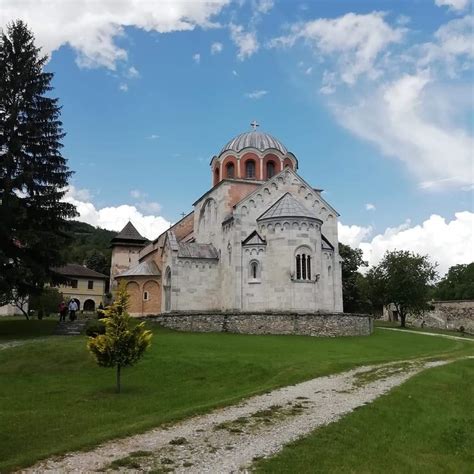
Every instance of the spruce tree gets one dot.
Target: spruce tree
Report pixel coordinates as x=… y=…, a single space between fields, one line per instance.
x=33 y=173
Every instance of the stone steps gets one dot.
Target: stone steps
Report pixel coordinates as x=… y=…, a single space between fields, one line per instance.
x=70 y=328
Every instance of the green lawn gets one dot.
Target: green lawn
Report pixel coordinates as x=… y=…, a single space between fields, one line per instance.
x=423 y=426
x=20 y=328
x=53 y=398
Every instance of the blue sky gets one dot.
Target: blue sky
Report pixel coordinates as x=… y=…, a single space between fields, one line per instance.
x=373 y=97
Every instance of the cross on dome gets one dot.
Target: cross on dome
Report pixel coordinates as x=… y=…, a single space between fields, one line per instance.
x=254 y=125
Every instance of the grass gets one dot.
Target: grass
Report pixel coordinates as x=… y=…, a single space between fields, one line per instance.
x=54 y=399
x=12 y=328
x=423 y=426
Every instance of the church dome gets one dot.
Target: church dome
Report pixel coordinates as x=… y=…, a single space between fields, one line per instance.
x=259 y=140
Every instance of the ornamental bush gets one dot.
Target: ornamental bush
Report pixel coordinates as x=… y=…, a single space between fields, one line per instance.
x=123 y=343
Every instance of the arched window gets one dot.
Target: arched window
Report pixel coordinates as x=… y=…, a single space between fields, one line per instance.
x=230 y=170
x=254 y=270
x=216 y=176
x=270 y=169
x=303 y=265
x=250 y=169
x=145 y=296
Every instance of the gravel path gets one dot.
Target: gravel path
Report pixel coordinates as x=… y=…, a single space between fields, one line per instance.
x=21 y=342
x=447 y=336
x=230 y=439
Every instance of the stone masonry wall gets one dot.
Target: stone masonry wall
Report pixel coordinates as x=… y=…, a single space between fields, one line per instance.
x=308 y=324
x=447 y=315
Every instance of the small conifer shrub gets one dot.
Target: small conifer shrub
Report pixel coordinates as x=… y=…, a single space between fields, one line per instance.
x=123 y=343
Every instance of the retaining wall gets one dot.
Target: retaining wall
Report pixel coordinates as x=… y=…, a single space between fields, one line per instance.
x=308 y=324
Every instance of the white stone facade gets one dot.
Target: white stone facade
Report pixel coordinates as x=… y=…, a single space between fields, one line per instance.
x=254 y=264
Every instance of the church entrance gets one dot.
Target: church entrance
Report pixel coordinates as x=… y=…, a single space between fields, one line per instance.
x=167 y=287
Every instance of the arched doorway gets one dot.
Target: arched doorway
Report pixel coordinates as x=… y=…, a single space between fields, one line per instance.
x=167 y=287
x=89 y=305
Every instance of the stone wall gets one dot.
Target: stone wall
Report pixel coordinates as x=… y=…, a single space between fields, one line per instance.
x=447 y=315
x=308 y=324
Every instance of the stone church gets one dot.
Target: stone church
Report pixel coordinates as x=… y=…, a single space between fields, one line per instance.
x=261 y=239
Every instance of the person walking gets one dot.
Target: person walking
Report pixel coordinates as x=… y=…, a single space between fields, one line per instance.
x=73 y=307
x=62 y=311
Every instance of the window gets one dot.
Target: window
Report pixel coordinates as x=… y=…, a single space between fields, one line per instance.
x=90 y=285
x=230 y=170
x=270 y=169
x=73 y=283
x=145 y=296
x=303 y=265
x=254 y=271
x=250 y=169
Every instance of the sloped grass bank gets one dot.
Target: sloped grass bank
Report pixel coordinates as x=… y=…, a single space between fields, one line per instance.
x=12 y=328
x=423 y=426
x=53 y=398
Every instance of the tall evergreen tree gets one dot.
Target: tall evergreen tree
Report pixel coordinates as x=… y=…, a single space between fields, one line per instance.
x=33 y=173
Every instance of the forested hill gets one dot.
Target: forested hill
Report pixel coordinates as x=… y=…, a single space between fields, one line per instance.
x=89 y=246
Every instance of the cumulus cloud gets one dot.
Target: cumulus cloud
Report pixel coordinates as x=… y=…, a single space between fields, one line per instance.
x=446 y=242
x=258 y=94
x=370 y=207
x=456 y=5
x=197 y=58
x=263 y=6
x=123 y=87
x=115 y=217
x=91 y=28
x=353 y=235
x=216 y=47
x=396 y=119
x=354 y=41
x=246 y=41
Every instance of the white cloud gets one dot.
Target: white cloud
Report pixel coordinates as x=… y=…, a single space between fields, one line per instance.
x=197 y=58
x=153 y=136
x=234 y=72
x=354 y=41
x=308 y=70
x=123 y=87
x=92 y=27
x=457 y=5
x=216 y=47
x=398 y=119
x=132 y=73
x=115 y=217
x=246 y=41
x=353 y=235
x=151 y=207
x=370 y=207
x=137 y=194
x=447 y=243
x=256 y=94
x=263 y=6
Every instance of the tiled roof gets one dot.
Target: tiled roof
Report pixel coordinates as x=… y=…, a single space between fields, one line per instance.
x=76 y=270
x=142 y=269
x=129 y=232
x=195 y=250
x=259 y=140
x=286 y=206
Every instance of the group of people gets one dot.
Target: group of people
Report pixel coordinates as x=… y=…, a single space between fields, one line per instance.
x=70 y=308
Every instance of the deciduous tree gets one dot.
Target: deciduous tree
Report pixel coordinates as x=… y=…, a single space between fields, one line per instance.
x=403 y=279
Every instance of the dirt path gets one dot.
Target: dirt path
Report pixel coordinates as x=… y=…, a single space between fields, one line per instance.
x=230 y=439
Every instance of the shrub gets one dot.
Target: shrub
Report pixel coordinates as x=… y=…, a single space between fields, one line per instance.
x=95 y=328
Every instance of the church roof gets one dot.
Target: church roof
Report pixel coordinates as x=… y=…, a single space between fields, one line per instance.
x=76 y=270
x=129 y=233
x=259 y=140
x=195 y=250
x=286 y=206
x=149 y=268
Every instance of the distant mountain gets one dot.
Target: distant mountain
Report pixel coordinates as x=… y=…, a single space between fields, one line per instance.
x=89 y=246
